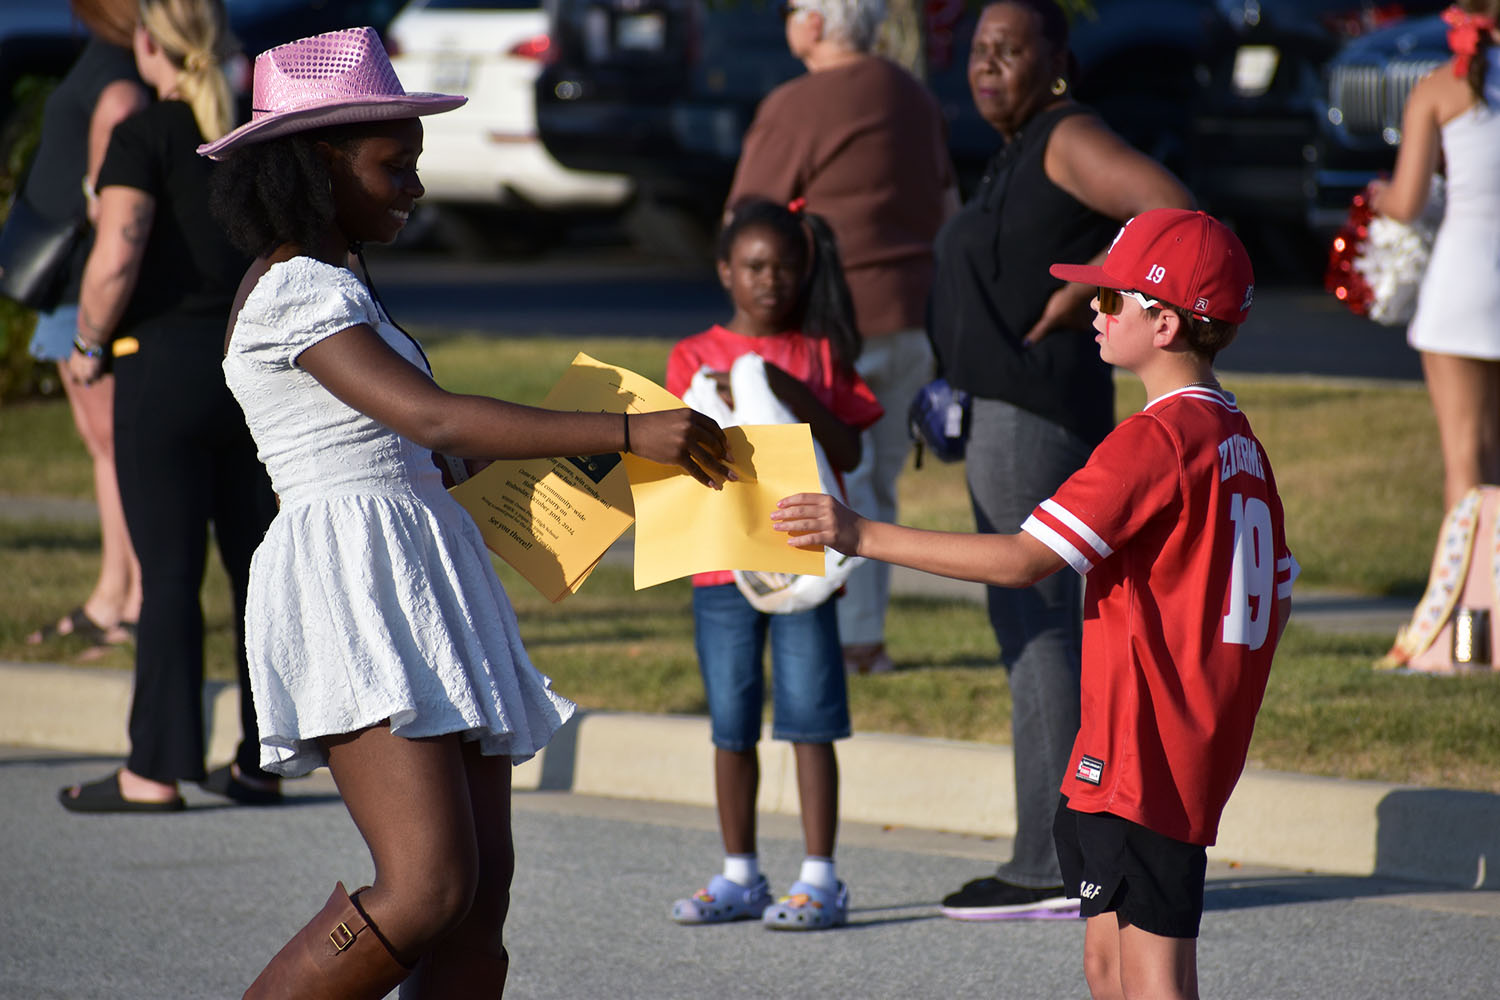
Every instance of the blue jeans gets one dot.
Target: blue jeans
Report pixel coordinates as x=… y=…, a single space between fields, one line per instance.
x=809 y=699
x=53 y=338
x=1015 y=460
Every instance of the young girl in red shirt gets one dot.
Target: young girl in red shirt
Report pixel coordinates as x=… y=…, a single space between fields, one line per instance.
x=781 y=270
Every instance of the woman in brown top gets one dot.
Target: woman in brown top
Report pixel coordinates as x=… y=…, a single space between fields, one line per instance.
x=864 y=143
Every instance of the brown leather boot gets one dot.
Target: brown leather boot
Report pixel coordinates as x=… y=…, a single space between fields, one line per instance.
x=446 y=972
x=337 y=956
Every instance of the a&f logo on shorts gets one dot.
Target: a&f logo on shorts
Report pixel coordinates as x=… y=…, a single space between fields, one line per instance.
x=1090 y=769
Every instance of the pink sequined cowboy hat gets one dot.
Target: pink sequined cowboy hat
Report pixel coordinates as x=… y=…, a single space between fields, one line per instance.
x=330 y=79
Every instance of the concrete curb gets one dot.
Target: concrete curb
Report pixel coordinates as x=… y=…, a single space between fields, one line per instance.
x=1283 y=820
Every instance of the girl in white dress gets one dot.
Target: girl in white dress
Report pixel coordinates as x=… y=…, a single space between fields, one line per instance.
x=1454 y=114
x=380 y=641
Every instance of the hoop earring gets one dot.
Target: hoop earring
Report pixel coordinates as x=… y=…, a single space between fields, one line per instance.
x=1059 y=87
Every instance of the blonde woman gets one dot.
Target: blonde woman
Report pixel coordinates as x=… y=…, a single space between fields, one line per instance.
x=156 y=294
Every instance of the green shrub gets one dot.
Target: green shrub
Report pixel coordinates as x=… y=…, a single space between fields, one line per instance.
x=20 y=375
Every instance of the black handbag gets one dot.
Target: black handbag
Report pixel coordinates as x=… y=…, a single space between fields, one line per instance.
x=34 y=253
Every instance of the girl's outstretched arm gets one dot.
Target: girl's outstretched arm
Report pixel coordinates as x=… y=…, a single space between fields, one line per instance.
x=1017 y=560
x=364 y=372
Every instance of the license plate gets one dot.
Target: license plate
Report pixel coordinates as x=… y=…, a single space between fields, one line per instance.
x=641 y=32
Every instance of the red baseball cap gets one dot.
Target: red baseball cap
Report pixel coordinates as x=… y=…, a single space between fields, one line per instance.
x=1189 y=259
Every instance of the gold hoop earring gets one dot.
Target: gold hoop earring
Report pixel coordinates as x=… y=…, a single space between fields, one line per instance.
x=1059 y=87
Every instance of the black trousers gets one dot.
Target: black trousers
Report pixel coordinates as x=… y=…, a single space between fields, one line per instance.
x=187 y=467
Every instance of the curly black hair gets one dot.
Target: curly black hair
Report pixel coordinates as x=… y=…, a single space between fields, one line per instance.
x=826 y=310
x=278 y=191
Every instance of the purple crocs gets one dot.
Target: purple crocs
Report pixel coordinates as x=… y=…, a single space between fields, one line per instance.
x=723 y=901
x=807 y=907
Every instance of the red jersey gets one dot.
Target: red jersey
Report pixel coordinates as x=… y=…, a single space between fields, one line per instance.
x=807 y=359
x=1176 y=523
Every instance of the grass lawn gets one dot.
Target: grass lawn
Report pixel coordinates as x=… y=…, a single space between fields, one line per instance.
x=1357 y=468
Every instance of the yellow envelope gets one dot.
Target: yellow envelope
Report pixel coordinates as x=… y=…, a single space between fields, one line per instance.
x=553 y=518
x=682 y=527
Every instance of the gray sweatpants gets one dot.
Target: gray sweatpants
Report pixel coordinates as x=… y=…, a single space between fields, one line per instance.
x=1014 y=460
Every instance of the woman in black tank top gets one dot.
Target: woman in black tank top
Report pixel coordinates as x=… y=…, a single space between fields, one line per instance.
x=1021 y=343
x=100 y=90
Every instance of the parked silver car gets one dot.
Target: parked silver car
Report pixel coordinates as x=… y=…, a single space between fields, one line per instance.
x=487 y=152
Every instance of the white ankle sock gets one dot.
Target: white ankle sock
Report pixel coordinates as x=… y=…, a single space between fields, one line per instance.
x=742 y=869
x=820 y=872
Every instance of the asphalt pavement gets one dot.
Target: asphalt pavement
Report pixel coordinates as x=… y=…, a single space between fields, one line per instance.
x=191 y=905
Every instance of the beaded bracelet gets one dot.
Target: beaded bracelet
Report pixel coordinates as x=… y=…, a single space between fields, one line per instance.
x=91 y=351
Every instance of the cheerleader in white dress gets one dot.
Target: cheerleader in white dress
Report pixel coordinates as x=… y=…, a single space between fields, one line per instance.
x=380 y=641
x=1454 y=114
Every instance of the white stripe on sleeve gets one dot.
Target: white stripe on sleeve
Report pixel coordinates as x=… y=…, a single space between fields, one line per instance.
x=1288 y=565
x=1083 y=531
x=1057 y=543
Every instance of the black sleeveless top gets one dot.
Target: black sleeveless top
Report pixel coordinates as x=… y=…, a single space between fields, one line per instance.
x=54 y=181
x=991 y=284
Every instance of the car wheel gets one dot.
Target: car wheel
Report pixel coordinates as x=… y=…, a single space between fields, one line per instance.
x=483 y=232
x=670 y=230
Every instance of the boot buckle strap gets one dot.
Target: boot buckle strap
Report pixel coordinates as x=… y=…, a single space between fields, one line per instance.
x=341 y=936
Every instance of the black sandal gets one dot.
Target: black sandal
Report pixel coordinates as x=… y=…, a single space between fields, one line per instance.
x=79 y=624
x=223 y=781
x=104 y=796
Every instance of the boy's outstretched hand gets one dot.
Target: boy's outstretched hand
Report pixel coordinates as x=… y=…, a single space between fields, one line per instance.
x=818 y=519
x=684 y=438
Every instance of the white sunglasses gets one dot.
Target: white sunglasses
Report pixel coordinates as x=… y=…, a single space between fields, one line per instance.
x=1112 y=300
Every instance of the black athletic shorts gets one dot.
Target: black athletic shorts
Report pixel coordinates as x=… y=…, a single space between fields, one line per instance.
x=1114 y=865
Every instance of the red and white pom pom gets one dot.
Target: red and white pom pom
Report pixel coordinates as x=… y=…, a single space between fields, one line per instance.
x=1376 y=264
x=1342 y=278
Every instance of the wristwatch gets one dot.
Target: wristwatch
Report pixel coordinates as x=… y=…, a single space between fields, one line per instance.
x=91 y=351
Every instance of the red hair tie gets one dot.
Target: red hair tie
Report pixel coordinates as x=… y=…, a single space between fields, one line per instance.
x=796 y=205
x=1463 y=36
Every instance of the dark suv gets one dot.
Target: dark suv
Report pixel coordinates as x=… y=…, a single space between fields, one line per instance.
x=664 y=90
x=1368 y=83
x=1257 y=149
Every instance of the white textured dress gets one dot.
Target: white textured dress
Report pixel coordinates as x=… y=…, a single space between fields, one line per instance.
x=1458 y=308
x=372 y=596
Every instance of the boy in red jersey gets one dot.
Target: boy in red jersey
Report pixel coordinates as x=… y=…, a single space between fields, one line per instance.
x=1176 y=523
